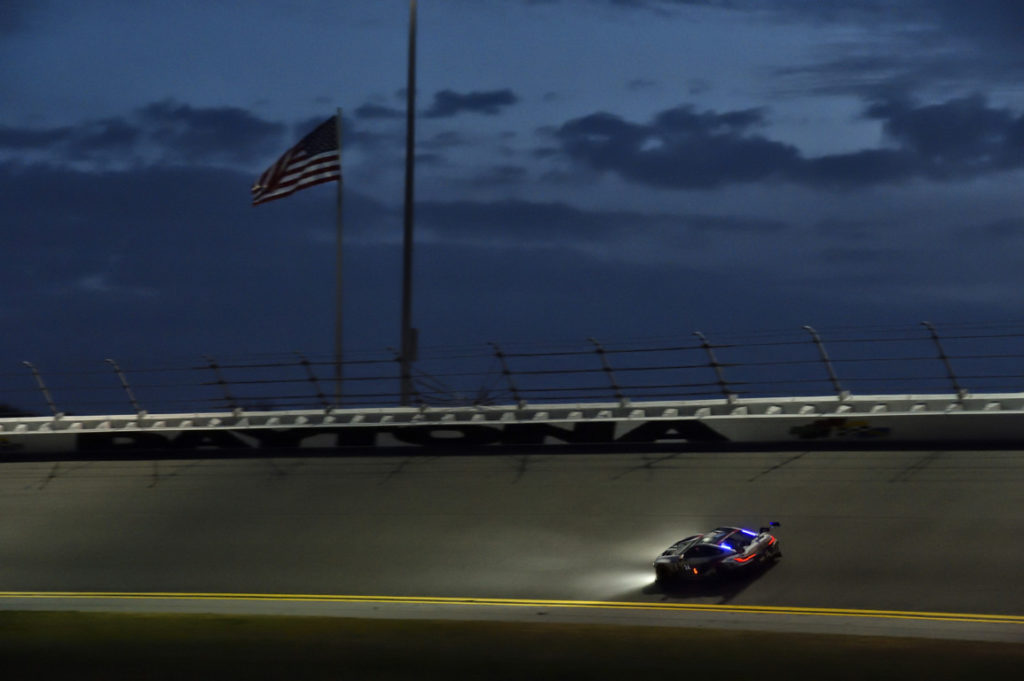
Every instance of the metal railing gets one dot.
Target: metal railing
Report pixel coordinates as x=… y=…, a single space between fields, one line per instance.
x=960 y=360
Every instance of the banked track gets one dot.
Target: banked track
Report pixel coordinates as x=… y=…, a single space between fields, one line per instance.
x=873 y=537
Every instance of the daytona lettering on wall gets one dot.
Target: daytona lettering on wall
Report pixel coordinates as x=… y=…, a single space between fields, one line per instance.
x=468 y=435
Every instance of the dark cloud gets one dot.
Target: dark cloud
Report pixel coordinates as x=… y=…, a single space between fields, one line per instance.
x=109 y=137
x=99 y=142
x=868 y=76
x=803 y=10
x=152 y=259
x=500 y=176
x=218 y=134
x=161 y=132
x=639 y=84
x=999 y=230
x=172 y=133
x=951 y=44
x=996 y=24
x=32 y=138
x=852 y=255
x=947 y=46
x=846 y=230
x=448 y=103
x=857 y=169
x=446 y=139
x=378 y=111
x=516 y=221
x=681 y=148
x=959 y=137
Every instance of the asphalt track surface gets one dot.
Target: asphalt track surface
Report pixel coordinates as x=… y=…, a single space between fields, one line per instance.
x=898 y=533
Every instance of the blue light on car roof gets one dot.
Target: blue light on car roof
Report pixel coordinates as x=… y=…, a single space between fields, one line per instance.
x=726 y=547
x=752 y=534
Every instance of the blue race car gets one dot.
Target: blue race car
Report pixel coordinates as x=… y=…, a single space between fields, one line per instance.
x=722 y=552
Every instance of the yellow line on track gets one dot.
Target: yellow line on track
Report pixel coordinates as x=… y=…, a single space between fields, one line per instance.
x=520 y=602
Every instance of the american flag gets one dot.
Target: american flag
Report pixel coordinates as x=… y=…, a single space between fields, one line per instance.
x=314 y=160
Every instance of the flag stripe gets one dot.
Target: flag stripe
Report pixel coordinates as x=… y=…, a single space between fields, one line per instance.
x=314 y=160
x=294 y=181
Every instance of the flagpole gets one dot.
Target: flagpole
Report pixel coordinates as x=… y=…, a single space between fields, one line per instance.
x=408 y=332
x=338 y=278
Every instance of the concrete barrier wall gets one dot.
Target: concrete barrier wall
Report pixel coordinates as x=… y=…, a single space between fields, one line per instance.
x=885 y=420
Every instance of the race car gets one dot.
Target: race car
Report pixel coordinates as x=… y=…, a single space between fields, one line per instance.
x=722 y=552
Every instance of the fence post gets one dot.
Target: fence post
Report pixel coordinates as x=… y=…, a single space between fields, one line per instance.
x=606 y=365
x=713 y=363
x=43 y=389
x=840 y=393
x=324 y=402
x=507 y=373
x=409 y=386
x=961 y=393
x=222 y=383
x=127 y=388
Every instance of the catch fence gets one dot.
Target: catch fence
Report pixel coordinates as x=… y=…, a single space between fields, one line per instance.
x=917 y=359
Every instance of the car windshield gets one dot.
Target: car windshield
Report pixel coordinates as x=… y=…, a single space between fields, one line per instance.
x=716 y=536
x=681 y=545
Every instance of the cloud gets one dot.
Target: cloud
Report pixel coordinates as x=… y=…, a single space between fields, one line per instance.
x=517 y=224
x=999 y=230
x=907 y=45
x=151 y=261
x=378 y=111
x=448 y=103
x=171 y=133
x=208 y=134
x=164 y=132
x=640 y=84
x=858 y=256
x=959 y=137
x=17 y=139
x=500 y=176
x=446 y=139
x=681 y=148
x=996 y=24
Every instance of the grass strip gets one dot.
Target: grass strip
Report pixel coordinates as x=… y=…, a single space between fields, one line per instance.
x=80 y=645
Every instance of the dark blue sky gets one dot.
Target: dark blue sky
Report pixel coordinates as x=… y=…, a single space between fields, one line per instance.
x=607 y=168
